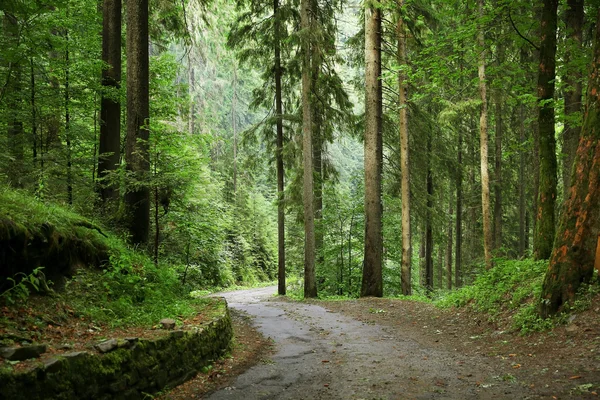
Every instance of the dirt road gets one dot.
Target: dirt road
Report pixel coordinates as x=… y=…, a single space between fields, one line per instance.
x=326 y=355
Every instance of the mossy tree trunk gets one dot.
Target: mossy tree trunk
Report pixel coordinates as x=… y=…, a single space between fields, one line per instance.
x=575 y=249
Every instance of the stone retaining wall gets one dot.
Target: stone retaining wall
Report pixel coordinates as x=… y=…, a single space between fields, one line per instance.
x=135 y=368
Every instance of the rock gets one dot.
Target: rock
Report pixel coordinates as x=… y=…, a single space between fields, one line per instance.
x=22 y=353
x=75 y=354
x=65 y=346
x=167 y=323
x=571 y=329
x=52 y=365
x=177 y=334
x=107 y=345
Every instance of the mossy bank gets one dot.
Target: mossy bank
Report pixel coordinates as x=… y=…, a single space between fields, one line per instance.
x=135 y=368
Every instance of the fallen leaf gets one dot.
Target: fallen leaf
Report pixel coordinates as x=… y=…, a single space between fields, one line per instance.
x=575 y=377
x=324 y=361
x=517 y=366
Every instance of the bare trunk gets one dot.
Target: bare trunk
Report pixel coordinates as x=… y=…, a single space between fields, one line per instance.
x=110 y=106
x=449 y=247
x=138 y=114
x=459 y=203
x=68 y=127
x=574 y=23
x=372 y=278
x=234 y=127
x=545 y=213
x=191 y=91
x=498 y=171
x=405 y=274
x=279 y=156
x=428 y=222
x=310 y=284
x=483 y=146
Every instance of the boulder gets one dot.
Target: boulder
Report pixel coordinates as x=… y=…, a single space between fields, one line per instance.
x=22 y=353
x=167 y=323
x=107 y=345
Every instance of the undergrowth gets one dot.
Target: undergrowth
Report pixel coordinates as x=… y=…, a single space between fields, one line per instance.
x=513 y=287
x=126 y=288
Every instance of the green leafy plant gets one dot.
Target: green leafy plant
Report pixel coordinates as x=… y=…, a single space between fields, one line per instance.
x=21 y=285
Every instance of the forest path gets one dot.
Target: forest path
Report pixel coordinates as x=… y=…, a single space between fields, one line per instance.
x=325 y=355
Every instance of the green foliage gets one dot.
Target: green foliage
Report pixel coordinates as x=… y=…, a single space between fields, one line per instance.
x=513 y=286
x=20 y=290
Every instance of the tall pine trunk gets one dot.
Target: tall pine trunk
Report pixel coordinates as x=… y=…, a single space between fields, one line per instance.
x=405 y=274
x=110 y=105
x=310 y=283
x=372 y=278
x=545 y=220
x=576 y=252
x=279 y=156
x=428 y=220
x=483 y=145
x=574 y=23
x=137 y=198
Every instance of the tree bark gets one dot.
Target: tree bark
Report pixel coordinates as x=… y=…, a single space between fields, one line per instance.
x=310 y=284
x=574 y=24
x=449 y=247
x=459 y=202
x=428 y=222
x=405 y=274
x=110 y=105
x=575 y=251
x=499 y=128
x=68 y=126
x=138 y=115
x=372 y=278
x=545 y=220
x=279 y=156
x=483 y=146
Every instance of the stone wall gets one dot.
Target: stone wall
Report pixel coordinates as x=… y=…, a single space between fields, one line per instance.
x=136 y=367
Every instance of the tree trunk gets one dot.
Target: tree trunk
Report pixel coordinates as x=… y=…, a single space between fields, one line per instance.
x=310 y=284
x=138 y=114
x=522 y=203
x=34 y=127
x=459 y=203
x=191 y=90
x=428 y=217
x=110 y=105
x=545 y=224
x=483 y=146
x=372 y=279
x=68 y=126
x=449 y=247
x=279 y=156
x=499 y=128
x=574 y=24
x=234 y=128
x=317 y=113
x=405 y=274
x=575 y=253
